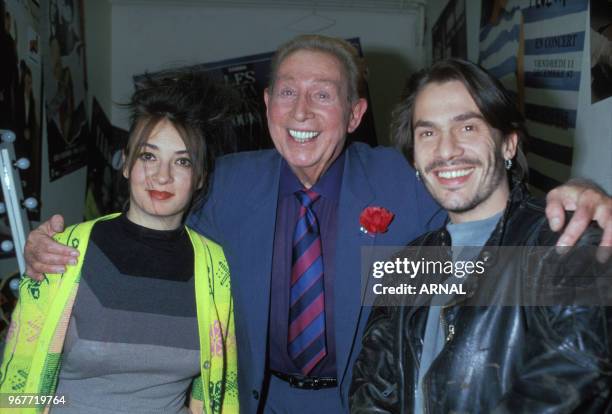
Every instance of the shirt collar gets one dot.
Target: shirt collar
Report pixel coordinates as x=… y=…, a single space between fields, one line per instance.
x=328 y=185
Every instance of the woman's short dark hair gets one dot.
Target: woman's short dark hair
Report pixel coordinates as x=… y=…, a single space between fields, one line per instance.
x=200 y=109
x=495 y=103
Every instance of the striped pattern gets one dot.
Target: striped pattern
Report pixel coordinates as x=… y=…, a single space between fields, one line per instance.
x=554 y=43
x=552 y=60
x=306 y=341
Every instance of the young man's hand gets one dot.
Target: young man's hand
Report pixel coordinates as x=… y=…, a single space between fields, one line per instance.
x=589 y=203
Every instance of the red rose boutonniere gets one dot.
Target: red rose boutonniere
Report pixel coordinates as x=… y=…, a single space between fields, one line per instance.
x=375 y=220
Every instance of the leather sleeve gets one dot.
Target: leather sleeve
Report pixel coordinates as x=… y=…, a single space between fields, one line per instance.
x=377 y=374
x=567 y=365
x=568 y=355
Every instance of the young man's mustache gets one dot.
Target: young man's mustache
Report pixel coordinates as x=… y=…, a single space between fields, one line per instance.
x=471 y=162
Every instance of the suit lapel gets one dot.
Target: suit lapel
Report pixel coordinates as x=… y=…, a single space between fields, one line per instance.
x=257 y=246
x=356 y=194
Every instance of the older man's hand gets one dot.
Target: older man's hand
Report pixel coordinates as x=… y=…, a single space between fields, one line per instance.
x=45 y=255
x=589 y=203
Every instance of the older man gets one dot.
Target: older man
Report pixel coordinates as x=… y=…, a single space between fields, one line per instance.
x=289 y=222
x=464 y=136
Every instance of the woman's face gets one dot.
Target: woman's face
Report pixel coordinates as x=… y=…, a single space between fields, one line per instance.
x=160 y=180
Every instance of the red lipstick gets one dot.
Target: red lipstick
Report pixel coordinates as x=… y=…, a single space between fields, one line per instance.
x=160 y=195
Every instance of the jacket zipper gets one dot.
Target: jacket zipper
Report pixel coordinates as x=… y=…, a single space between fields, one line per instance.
x=449 y=331
x=448 y=336
x=417 y=362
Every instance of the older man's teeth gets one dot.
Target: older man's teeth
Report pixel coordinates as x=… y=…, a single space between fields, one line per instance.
x=302 y=136
x=454 y=173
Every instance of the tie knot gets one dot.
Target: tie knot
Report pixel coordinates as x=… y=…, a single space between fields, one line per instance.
x=307 y=197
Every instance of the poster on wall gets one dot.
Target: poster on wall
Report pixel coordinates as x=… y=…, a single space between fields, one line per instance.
x=20 y=104
x=449 y=36
x=20 y=92
x=601 y=50
x=249 y=76
x=535 y=49
x=65 y=85
x=107 y=190
x=501 y=44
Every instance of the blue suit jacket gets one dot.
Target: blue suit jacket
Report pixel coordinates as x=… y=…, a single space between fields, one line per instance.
x=240 y=214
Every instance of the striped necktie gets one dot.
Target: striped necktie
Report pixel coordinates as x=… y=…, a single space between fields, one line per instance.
x=306 y=340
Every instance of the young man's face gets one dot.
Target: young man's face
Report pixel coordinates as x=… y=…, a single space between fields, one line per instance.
x=459 y=155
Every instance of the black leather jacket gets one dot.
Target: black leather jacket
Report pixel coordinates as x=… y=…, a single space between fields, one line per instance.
x=507 y=359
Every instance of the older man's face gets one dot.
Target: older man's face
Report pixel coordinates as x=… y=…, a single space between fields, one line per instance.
x=309 y=113
x=459 y=155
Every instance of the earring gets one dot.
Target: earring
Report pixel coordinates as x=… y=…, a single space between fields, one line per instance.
x=418 y=175
x=508 y=164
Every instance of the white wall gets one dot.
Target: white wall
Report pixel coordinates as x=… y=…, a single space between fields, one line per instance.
x=593 y=140
x=154 y=36
x=98 y=29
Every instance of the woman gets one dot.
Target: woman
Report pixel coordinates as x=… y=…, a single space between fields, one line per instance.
x=147 y=315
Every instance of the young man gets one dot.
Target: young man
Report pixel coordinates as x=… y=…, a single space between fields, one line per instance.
x=256 y=203
x=464 y=136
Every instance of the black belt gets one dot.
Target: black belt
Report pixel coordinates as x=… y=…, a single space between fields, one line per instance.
x=307 y=383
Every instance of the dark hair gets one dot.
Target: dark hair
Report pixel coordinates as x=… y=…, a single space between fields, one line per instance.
x=496 y=105
x=199 y=109
x=343 y=51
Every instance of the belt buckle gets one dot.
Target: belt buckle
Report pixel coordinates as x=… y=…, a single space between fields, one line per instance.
x=304 y=382
x=315 y=383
